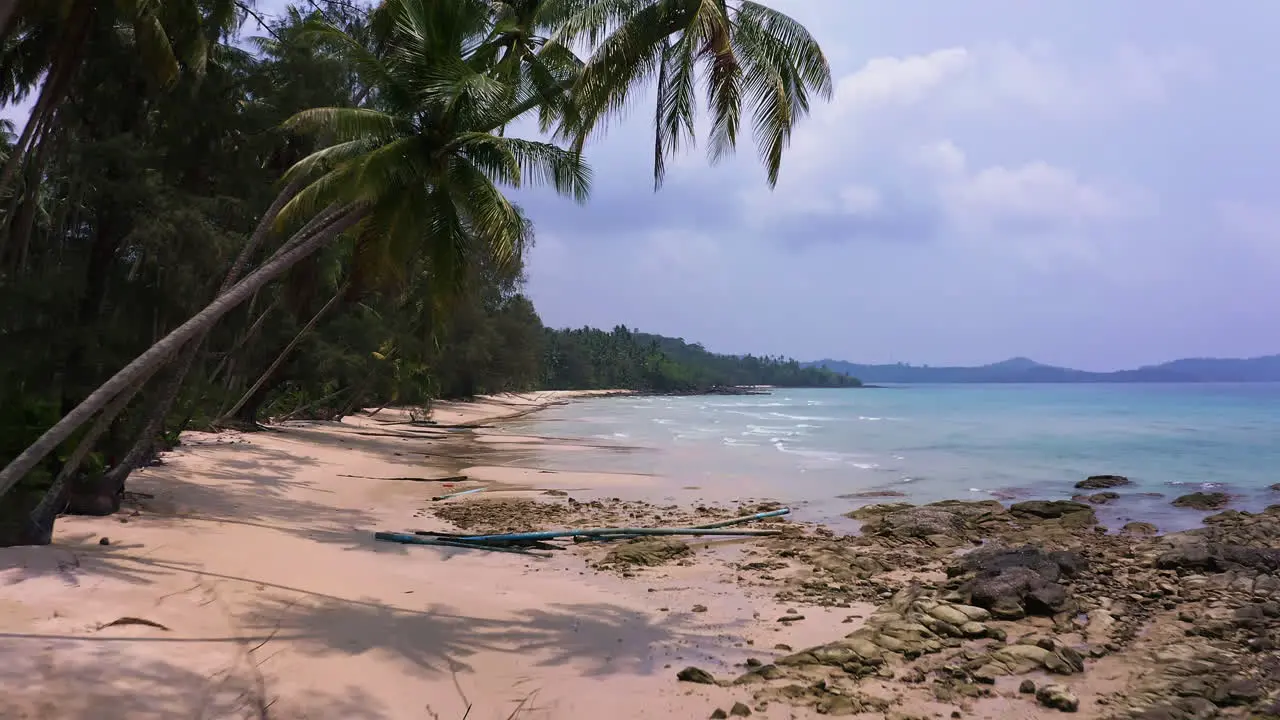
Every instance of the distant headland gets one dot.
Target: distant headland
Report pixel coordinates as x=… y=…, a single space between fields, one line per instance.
x=1024 y=370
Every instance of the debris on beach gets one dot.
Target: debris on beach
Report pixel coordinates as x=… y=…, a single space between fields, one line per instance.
x=458 y=493
x=465 y=515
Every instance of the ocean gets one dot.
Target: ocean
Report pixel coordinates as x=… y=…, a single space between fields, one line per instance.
x=815 y=448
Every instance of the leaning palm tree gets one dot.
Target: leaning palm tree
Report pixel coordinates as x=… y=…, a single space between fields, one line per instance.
x=422 y=162
x=425 y=165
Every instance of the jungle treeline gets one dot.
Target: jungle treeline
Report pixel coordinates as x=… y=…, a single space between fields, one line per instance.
x=214 y=217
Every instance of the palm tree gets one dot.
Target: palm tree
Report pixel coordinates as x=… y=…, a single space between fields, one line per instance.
x=46 y=42
x=424 y=166
x=743 y=52
x=422 y=162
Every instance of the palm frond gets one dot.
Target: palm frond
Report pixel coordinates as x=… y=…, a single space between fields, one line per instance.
x=341 y=125
x=514 y=161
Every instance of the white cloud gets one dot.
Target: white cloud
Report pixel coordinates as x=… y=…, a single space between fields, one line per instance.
x=872 y=151
x=1031 y=195
x=887 y=81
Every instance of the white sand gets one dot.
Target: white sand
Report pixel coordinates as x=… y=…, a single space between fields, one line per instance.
x=257 y=557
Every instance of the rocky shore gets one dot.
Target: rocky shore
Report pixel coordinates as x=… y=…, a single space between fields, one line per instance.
x=980 y=609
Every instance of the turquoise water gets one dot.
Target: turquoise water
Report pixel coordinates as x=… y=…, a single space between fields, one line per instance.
x=943 y=441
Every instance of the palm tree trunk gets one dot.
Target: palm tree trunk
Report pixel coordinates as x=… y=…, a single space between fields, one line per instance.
x=43 y=514
x=364 y=384
x=313 y=403
x=275 y=364
x=21 y=231
x=225 y=364
x=164 y=401
x=160 y=353
x=55 y=82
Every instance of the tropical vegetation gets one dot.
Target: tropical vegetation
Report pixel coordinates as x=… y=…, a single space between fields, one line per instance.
x=212 y=217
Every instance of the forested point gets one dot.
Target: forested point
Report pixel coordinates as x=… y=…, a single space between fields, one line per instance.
x=215 y=218
x=590 y=359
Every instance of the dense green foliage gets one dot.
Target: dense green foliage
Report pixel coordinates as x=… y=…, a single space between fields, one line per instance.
x=203 y=227
x=590 y=358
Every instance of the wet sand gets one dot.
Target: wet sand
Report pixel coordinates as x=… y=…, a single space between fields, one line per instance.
x=243 y=581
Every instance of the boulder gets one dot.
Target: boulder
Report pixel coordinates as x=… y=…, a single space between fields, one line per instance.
x=1049 y=565
x=696 y=675
x=1219 y=558
x=877 y=510
x=969 y=509
x=1101 y=498
x=1103 y=482
x=1140 y=528
x=1013 y=583
x=921 y=522
x=1058 y=697
x=1203 y=501
x=1064 y=511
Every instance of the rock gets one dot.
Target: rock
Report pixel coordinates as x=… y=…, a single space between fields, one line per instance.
x=868 y=512
x=946 y=524
x=1027 y=687
x=1021 y=658
x=1276 y=487
x=921 y=523
x=1102 y=482
x=1140 y=528
x=793 y=617
x=1049 y=565
x=719 y=714
x=647 y=552
x=959 y=615
x=698 y=608
x=1068 y=512
x=104 y=541
x=1058 y=697
x=1101 y=498
x=740 y=710
x=1011 y=583
x=696 y=675
x=969 y=509
x=1241 y=691
x=1220 y=558
x=1047 y=600
x=872 y=494
x=1203 y=501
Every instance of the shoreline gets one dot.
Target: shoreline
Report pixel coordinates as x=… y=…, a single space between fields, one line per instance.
x=253 y=555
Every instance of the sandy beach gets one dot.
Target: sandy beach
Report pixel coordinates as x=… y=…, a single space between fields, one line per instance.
x=243 y=581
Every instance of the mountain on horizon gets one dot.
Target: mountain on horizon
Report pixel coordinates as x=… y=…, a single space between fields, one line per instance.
x=1026 y=370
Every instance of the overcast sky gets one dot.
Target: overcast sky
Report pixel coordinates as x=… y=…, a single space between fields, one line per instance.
x=1087 y=183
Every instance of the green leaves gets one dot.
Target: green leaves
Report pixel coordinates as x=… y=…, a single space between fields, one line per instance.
x=424 y=158
x=744 y=54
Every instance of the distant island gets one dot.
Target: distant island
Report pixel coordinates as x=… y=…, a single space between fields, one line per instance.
x=1024 y=370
